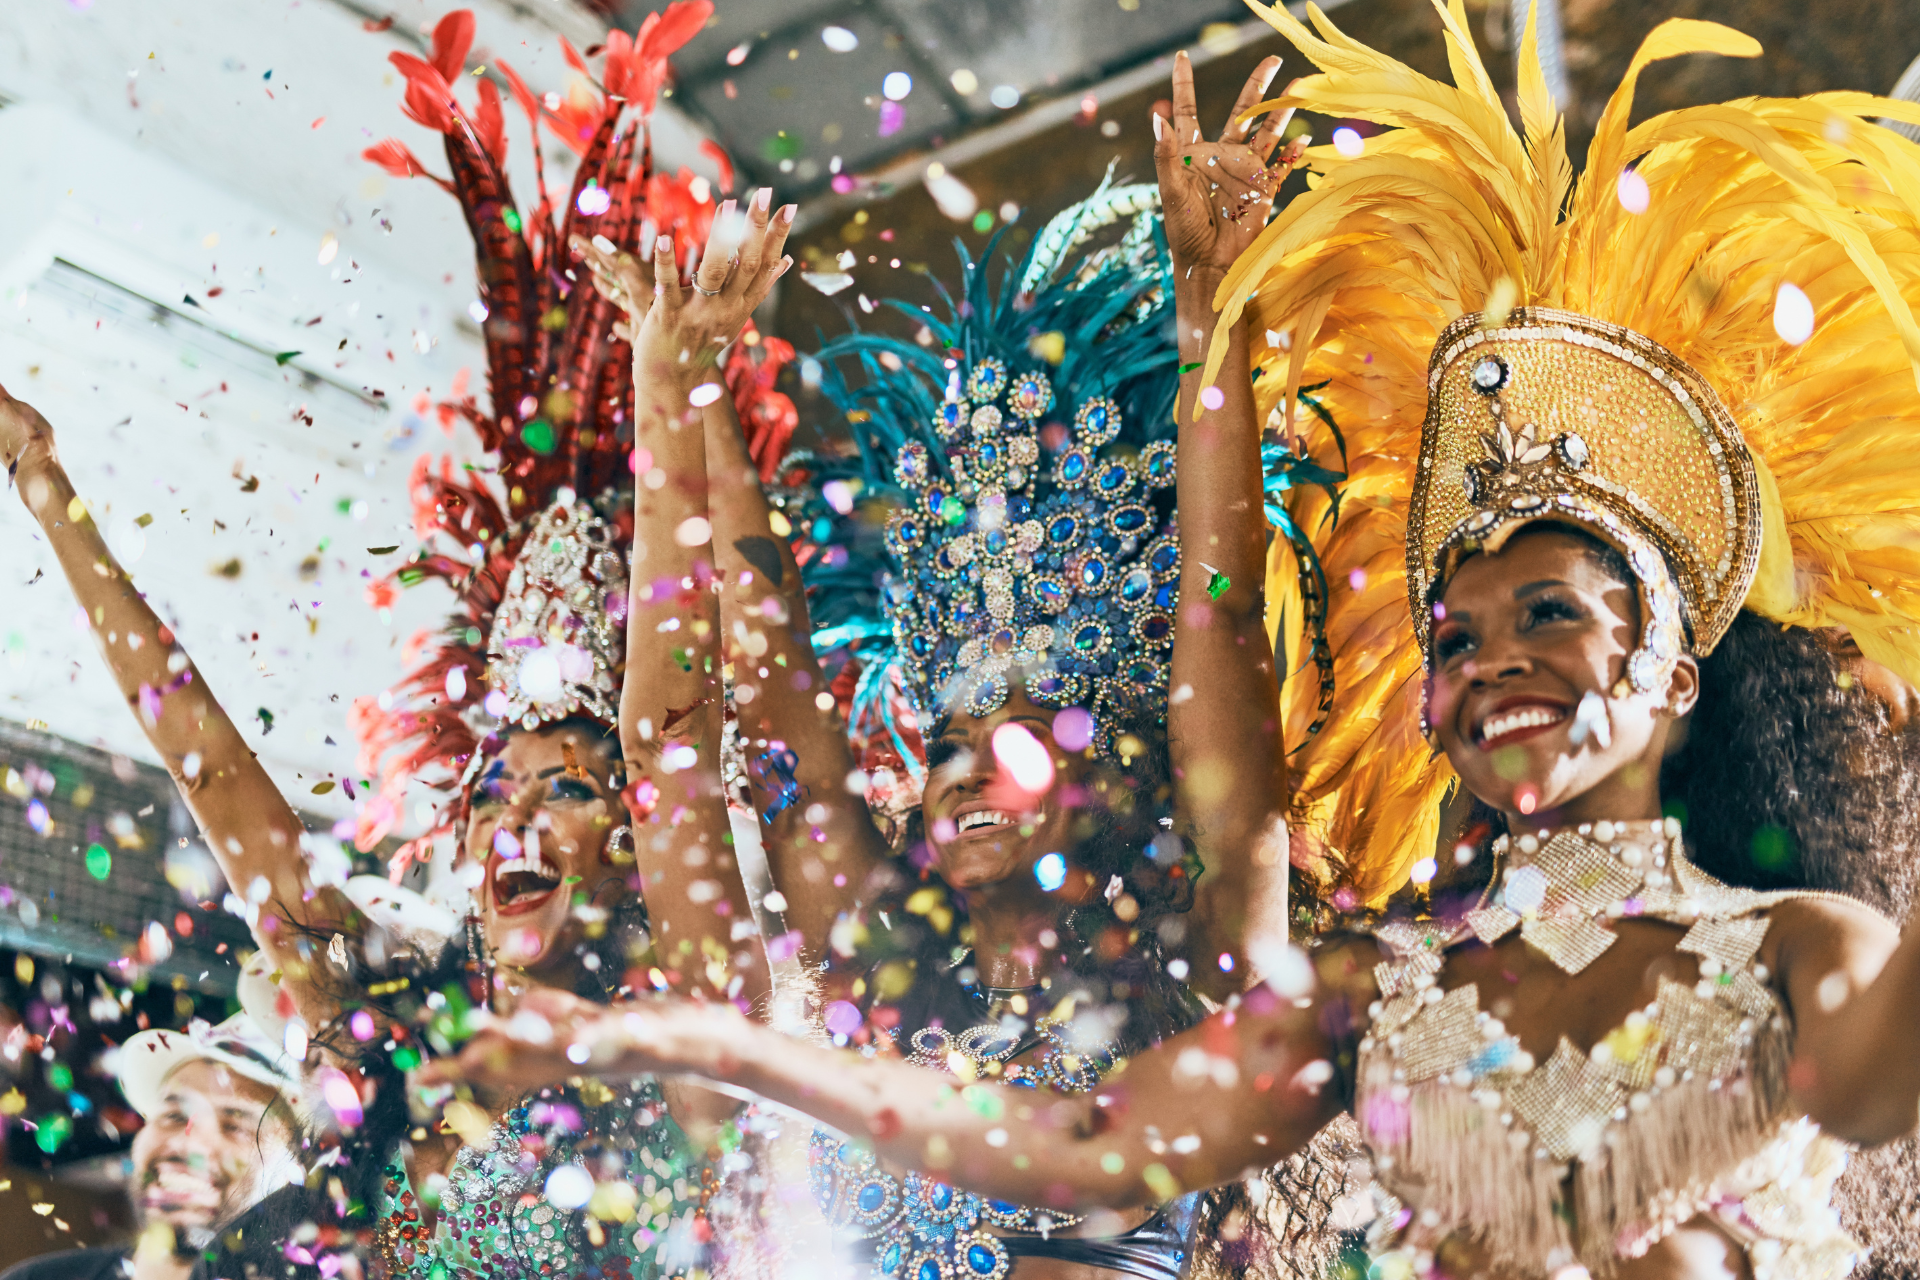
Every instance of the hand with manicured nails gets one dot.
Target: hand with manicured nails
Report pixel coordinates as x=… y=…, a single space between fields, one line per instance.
x=1216 y=196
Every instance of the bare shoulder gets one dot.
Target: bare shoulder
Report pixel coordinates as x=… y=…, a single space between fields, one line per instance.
x=1829 y=929
x=1830 y=917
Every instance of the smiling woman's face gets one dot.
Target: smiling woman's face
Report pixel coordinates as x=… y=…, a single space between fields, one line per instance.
x=985 y=831
x=1529 y=632
x=539 y=820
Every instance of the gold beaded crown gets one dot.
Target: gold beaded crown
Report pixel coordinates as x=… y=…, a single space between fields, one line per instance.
x=1502 y=343
x=1550 y=415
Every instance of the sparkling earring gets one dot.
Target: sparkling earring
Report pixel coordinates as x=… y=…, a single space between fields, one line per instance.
x=619 y=850
x=478 y=954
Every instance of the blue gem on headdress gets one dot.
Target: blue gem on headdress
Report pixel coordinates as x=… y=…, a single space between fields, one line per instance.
x=1114 y=479
x=1137 y=586
x=1063 y=530
x=987 y=696
x=905 y=535
x=1071 y=471
x=1051 y=594
x=1157 y=463
x=988 y=380
x=950 y=419
x=1056 y=689
x=1163 y=557
x=929 y=1269
x=935 y=498
x=1032 y=395
x=1093 y=573
x=1091 y=640
x=1166 y=595
x=1097 y=423
x=889 y=1261
x=1128 y=520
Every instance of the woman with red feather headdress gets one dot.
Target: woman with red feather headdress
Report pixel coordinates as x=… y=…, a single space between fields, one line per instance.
x=569 y=774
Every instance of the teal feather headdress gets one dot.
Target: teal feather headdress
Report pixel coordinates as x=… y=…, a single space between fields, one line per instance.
x=1026 y=443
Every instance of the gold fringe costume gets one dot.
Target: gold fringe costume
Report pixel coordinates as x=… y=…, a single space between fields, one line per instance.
x=1630 y=354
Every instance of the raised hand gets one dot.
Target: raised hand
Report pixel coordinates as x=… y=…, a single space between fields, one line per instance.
x=688 y=325
x=24 y=435
x=1216 y=196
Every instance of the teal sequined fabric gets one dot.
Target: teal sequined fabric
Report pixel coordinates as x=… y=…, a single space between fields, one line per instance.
x=496 y=1221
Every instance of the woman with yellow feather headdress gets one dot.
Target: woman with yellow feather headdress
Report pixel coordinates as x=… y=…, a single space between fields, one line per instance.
x=1588 y=446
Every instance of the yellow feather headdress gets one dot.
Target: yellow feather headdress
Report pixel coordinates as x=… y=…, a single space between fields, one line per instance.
x=1684 y=231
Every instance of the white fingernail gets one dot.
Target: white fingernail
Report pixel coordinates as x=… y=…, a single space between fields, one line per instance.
x=764 y=199
x=1158 y=125
x=1267 y=79
x=605 y=245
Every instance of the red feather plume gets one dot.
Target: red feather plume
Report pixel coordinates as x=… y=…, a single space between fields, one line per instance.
x=559 y=408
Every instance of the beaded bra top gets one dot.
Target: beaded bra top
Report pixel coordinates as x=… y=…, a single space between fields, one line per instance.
x=498 y=1218
x=922 y=1228
x=1597 y=1155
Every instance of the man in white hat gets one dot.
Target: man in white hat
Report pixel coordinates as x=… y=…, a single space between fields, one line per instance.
x=219 y=1136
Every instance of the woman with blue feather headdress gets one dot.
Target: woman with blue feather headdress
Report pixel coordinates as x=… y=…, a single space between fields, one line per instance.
x=1079 y=691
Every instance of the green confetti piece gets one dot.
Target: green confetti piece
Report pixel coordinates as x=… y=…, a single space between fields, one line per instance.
x=382 y=551
x=538 y=436
x=512 y=218
x=60 y=1076
x=983 y=221
x=99 y=862
x=282 y=357
x=1217 y=585
x=53 y=1132
x=1189 y=368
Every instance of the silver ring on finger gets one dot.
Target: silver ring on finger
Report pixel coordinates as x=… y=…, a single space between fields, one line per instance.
x=711 y=293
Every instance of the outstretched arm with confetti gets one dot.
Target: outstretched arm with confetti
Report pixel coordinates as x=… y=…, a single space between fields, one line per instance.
x=252 y=830
x=1223 y=715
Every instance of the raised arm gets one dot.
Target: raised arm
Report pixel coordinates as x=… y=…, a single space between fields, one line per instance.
x=820 y=875
x=765 y=627
x=252 y=830
x=672 y=702
x=1223 y=721
x=1242 y=1090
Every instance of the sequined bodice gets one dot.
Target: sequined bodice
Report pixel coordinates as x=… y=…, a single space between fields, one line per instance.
x=504 y=1214
x=1595 y=1156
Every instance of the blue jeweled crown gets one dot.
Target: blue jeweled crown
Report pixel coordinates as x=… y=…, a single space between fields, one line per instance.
x=1057 y=566
x=1027 y=441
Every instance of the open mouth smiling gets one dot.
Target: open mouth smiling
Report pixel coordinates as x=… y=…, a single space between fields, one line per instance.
x=523 y=883
x=976 y=819
x=1516 y=720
